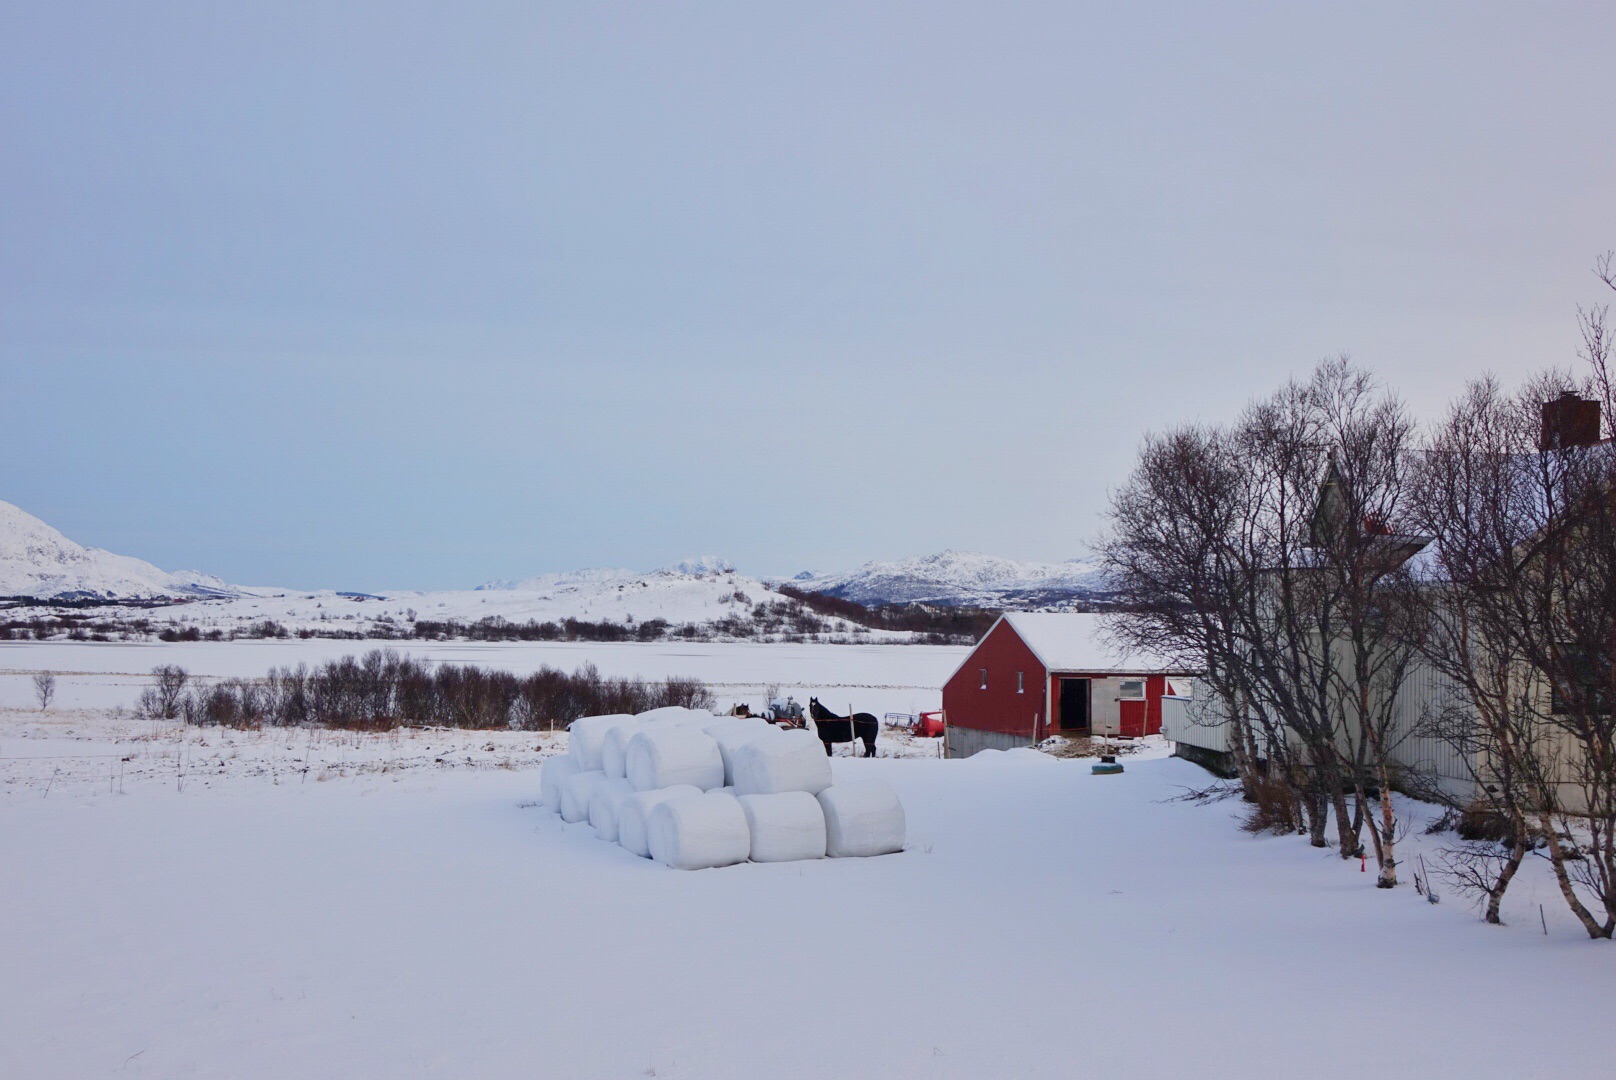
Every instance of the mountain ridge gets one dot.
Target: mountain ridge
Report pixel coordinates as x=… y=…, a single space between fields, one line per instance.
x=955 y=578
x=38 y=561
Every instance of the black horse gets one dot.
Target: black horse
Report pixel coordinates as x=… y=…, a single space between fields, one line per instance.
x=835 y=729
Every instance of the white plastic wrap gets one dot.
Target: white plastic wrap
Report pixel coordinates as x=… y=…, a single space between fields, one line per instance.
x=576 y=791
x=696 y=718
x=552 y=773
x=720 y=723
x=663 y=755
x=636 y=808
x=695 y=832
x=785 y=827
x=603 y=807
x=734 y=733
x=862 y=817
x=614 y=748
x=781 y=761
x=665 y=715
x=587 y=734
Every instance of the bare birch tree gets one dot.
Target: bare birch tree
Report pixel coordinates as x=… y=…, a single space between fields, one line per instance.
x=1526 y=527
x=44 y=689
x=1268 y=553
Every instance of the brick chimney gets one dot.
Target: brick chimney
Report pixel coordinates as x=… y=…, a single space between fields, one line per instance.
x=1569 y=421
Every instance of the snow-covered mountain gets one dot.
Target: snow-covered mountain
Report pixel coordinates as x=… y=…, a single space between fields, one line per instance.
x=716 y=604
x=702 y=566
x=37 y=561
x=685 y=593
x=963 y=578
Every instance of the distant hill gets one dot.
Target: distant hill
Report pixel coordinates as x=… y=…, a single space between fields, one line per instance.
x=703 y=597
x=39 y=562
x=964 y=579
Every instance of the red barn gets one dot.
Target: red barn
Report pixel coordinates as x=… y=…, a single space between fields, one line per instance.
x=1036 y=674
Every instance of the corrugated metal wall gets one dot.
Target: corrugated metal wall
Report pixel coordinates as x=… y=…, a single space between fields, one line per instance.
x=1425 y=693
x=1197 y=721
x=1202 y=722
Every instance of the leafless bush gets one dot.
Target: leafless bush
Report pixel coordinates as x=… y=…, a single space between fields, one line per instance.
x=44 y=688
x=238 y=703
x=382 y=690
x=1275 y=807
x=161 y=701
x=1480 y=821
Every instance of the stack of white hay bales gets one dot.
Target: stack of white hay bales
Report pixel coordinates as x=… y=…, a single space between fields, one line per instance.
x=693 y=790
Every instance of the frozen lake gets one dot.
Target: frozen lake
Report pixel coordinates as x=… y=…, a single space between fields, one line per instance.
x=871 y=678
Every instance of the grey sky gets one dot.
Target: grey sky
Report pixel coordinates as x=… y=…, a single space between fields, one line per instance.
x=399 y=295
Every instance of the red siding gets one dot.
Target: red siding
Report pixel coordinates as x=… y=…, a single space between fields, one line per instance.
x=1155 y=687
x=999 y=707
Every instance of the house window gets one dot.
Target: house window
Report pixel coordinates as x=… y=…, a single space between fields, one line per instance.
x=1583 y=683
x=1020 y=688
x=1131 y=689
x=984 y=685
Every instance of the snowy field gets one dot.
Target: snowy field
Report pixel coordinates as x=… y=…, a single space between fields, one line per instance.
x=261 y=905
x=871 y=678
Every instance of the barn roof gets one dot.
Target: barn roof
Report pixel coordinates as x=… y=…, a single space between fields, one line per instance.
x=1077 y=641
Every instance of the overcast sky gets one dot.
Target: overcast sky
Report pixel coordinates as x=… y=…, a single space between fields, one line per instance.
x=392 y=295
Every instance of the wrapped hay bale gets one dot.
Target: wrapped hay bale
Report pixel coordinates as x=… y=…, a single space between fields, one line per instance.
x=636 y=808
x=781 y=761
x=722 y=723
x=862 y=817
x=552 y=773
x=614 y=748
x=695 y=832
x=604 y=806
x=664 y=755
x=785 y=827
x=733 y=735
x=697 y=719
x=665 y=715
x=576 y=791
x=587 y=734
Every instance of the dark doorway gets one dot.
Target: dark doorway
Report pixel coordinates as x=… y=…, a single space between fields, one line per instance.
x=1074 y=704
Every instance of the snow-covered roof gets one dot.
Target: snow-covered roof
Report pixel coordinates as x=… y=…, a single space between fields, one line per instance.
x=1078 y=641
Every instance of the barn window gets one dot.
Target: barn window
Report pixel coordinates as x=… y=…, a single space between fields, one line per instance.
x=1131 y=689
x=1020 y=689
x=984 y=679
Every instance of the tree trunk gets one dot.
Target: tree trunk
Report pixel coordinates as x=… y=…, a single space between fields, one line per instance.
x=1348 y=837
x=1567 y=890
x=1506 y=874
x=1318 y=816
x=1386 y=845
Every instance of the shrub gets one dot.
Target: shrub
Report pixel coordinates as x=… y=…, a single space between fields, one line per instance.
x=1478 y=821
x=383 y=689
x=1274 y=807
x=161 y=701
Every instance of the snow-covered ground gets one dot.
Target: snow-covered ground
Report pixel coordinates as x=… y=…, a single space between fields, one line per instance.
x=870 y=678
x=280 y=904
